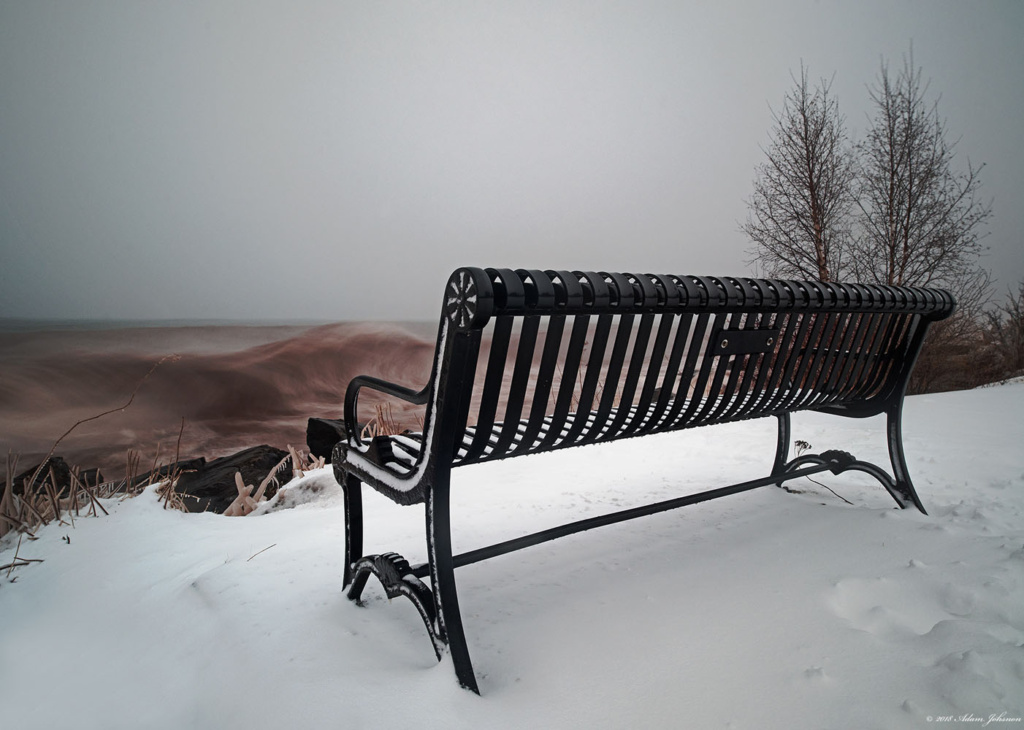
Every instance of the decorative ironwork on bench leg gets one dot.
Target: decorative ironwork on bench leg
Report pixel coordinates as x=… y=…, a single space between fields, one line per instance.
x=439 y=608
x=905 y=493
x=391 y=569
x=782 y=447
x=395 y=575
x=840 y=461
x=442 y=577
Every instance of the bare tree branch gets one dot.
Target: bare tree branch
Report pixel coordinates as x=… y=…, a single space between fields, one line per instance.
x=803 y=194
x=920 y=222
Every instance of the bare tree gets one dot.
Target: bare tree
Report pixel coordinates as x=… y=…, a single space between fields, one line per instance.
x=894 y=210
x=920 y=220
x=803 y=194
x=1006 y=333
x=955 y=355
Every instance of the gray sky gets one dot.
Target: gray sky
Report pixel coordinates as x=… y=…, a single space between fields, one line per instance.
x=293 y=160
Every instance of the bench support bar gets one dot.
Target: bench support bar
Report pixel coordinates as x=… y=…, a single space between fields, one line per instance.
x=829 y=462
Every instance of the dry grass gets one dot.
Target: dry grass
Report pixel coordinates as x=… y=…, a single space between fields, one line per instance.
x=42 y=501
x=169 y=496
x=17 y=561
x=383 y=423
x=303 y=462
x=248 y=499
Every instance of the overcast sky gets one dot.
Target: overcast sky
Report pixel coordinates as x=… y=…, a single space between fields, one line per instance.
x=336 y=160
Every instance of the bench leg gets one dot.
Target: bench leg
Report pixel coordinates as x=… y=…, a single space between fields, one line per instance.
x=898 y=484
x=905 y=492
x=353 y=491
x=782 y=447
x=439 y=608
x=442 y=579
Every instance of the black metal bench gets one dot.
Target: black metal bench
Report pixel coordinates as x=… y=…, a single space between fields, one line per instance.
x=531 y=361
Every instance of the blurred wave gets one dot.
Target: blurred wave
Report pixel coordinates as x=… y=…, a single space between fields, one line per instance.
x=235 y=386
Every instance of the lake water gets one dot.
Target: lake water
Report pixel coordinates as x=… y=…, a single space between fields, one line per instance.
x=235 y=384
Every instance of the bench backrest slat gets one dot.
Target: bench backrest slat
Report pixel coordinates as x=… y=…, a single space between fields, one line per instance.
x=570 y=360
x=600 y=332
x=520 y=382
x=694 y=339
x=623 y=330
x=873 y=328
x=545 y=380
x=762 y=368
x=783 y=366
x=881 y=357
x=852 y=335
x=493 y=382
x=681 y=330
x=666 y=325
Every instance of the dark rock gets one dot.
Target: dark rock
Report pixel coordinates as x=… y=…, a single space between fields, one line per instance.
x=322 y=434
x=211 y=487
x=91 y=477
x=185 y=466
x=61 y=473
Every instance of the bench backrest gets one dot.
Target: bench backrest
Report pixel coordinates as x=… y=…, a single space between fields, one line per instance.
x=533 y=360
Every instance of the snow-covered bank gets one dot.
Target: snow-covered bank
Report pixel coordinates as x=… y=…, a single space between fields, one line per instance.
x=764 y=610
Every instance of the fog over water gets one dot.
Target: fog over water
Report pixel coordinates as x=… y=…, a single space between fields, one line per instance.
x=337 y=160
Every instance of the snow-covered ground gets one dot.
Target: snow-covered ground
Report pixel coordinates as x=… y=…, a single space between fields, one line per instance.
x=768 y=609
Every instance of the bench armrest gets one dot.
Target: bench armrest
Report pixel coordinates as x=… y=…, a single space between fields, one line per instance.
x=381 y=386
